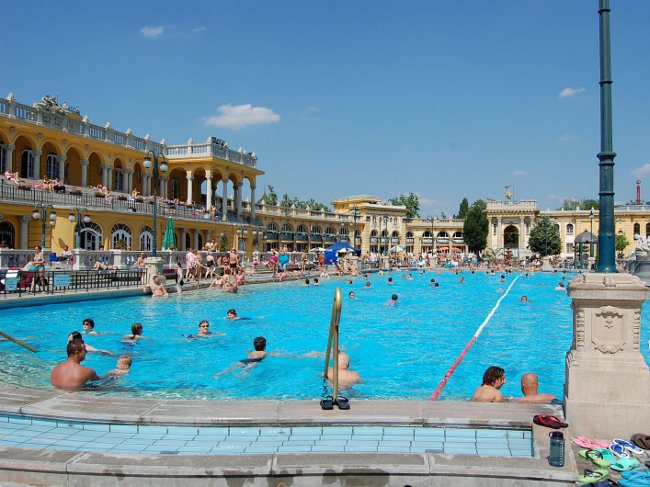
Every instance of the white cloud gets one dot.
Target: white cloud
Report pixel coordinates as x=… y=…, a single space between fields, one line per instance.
x=569 y=92
x=239 y=116
x=567 y=138
x=152 y=32
x=642 y=171
x=520 y=173
x=198 y=28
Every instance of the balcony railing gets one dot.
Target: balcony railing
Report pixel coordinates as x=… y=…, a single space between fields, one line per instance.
x=374 y=240
x=395 y=240
x=458 y=240
x=410 y=240
x=71 y=122
x=316 y=237
x=442 y=240
x=301 y=237
x=271 y=235
x=427 y=240
x=286 y=236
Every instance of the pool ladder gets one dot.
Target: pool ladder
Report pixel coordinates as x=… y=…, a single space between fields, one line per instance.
x=333 y=344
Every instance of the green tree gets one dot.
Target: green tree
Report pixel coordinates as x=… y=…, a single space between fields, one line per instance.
x=544 y=238
x=475 y=228
x=588 y=204
x=462 y=209
x=411 y=201
x=286 y=201
x=621 y=242
x=270 y=198
x=570 y=204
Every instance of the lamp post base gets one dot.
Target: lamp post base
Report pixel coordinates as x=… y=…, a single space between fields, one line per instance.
x=154 y=266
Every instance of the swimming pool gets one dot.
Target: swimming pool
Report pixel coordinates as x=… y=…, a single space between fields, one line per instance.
x=401 y=351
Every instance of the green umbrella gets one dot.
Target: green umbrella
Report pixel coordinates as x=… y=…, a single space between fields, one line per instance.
x=169 y=240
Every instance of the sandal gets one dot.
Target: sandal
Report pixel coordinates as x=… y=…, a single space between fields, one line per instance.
x=625 y=464
x=629 y=446
x=593 y=476
x=595 y=457
x=549 y=421
x=327 y=403
x=342 y=402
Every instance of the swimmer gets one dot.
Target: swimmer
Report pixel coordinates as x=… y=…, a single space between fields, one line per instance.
x=503 y=278
x=432 y=281
x=253 y=358
x=347 y=377
x=136 y=334
x=390 y=280
x=462 y=280
x=392 y=301
x=560 y=286
x=367 y=283
x=306 y=282
x=123 y=367
x=232 y=315
x=89 y=326
x=351 y=295
x=315 y=281
x=436 y=284
x=529 y=384
x=71 y=375
x=204 y=329
x=493 y=379
x=75 y=335
x=524 y=299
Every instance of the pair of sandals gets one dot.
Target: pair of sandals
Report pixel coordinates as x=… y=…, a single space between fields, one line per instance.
x=604 y=458
x=328 y=402
x=549 y=421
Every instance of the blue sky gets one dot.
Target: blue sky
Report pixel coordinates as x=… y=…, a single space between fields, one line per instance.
x=445 y=98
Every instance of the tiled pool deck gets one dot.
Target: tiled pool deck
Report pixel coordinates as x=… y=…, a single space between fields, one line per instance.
x=52 y=438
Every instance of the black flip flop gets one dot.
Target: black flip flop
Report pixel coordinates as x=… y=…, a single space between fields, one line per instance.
x=342 y=402
x=327 y=403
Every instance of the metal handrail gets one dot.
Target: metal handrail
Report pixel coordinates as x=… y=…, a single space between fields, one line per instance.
x=333 y=343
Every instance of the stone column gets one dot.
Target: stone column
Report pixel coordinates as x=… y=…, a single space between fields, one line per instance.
x=109 y=177
x=9 y=153
x=183 y=242
x=522 y=236
x=37 y=164
x=190 y=178
x=62 y=160
x=163 y=186
x=224 y=199
x=208 y=190
x=125 y=181
x=607 y=385
x=195 y=239
x=499 y=232
x=84 y=173
x=129 y=180
x=24 y=231
x=252 y=201
x=238 y=189
x=146 y=184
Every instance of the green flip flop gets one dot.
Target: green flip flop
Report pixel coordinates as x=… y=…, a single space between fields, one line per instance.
x=596 y=457
x=625 y=464
x=593 y=476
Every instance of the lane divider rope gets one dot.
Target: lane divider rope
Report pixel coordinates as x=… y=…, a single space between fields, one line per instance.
x=469 y=344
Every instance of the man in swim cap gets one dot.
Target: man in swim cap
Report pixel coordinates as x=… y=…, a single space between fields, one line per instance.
x=347 y=377
x=529 y=384
x=493 y=379
x=71 y=375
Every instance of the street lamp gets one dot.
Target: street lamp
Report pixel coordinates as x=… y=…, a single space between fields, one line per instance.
x=242 y=231
x=163 y=167
x=257 y=233
x=42 y=215
x=355 y=214
x=386 y=237
x=591 y=232
x=77 y=227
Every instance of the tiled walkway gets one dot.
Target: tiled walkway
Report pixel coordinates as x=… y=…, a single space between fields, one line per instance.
x=191 y=440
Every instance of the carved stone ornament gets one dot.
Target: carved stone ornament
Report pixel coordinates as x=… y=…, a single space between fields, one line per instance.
x=608 y=330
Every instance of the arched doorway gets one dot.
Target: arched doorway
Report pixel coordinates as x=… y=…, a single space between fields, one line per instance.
x=90 y=236
x=7 y=236
x=511 y=238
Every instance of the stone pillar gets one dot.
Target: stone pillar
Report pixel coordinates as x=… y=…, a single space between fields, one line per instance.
x=499 y=232
x=84 y=173
x=37 y=164
x=129 y=180
x=607 y=385
x=163 y=186
x=190 y=178
x=146 y=184
x=154 y=266
x=208 y=190
x=224 y=199
x=109 y=177
x=24 y=231
x=183 y=242
x=252 y=201
x=125 y=181
x=238 y=189
x=9 y=153
x=522 y=236
x=195 y=239
x=62 y=160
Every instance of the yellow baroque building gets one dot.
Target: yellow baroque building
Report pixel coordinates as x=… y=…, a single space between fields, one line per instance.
x=209 y=191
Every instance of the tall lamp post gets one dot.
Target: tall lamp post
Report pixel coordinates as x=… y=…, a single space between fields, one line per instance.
x=355 y=214
x=386 y=237
x=591 y=232
x=242 y=231
x=75 y=216
x=42 y=214
x=158 y=162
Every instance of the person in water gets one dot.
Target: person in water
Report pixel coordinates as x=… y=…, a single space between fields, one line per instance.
x=123 y=367
x=253 y=358
x=347 y=377
x=71 y=375
x=529 y=385
x=493 y=379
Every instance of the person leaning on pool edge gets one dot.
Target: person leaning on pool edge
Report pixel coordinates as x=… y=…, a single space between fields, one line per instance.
x=493 y=379
x=71 y=375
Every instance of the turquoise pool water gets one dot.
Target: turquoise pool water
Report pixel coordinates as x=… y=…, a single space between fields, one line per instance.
x=401 y=351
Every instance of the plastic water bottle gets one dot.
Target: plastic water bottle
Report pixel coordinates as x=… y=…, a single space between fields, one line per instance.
x=556 y=455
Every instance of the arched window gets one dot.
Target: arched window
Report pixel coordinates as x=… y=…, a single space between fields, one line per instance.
x=174 y=189
x=569 y=229
x=426 y=234
x=118 y=180
x=443 y=235
x=27 y=163
x=458 y=234
x=121 y=236
x=330 y=231
x=90 y=235
x=272 y=227
x=287 y=228
x=637 y=229
x=52 y=166
x=7 y=235
x=3 y=157
x=301 y=228
x=373 y=233
x=146 y=238
x=343 y=231
x=647 y=229
x=316 y=230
